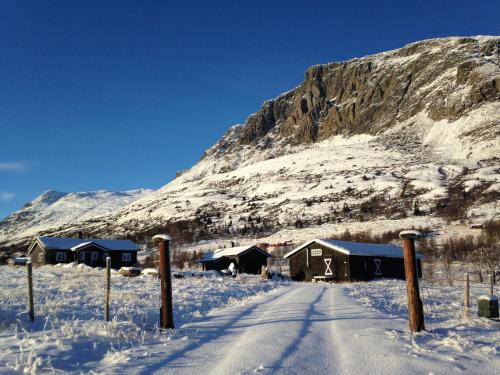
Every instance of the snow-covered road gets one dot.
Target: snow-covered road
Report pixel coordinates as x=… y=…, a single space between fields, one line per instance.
x=298 y=329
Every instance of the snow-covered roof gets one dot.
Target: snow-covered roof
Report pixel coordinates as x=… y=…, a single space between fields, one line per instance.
x=64 y=243
x=230 y=251
x=85 y=244
x=357 y=248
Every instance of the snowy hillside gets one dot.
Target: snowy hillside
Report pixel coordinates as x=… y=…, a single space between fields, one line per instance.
x=361 y=144
x=54 y=209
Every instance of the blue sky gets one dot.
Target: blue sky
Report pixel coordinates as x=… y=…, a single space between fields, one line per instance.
x=120 y=95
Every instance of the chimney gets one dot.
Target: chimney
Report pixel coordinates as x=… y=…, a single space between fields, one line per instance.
x=79 y=234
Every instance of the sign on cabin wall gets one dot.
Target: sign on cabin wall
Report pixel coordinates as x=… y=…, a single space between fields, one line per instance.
x=316 y=252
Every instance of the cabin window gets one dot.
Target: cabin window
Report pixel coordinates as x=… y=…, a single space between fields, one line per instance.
x=95 y=255
x=104 y=256
x=316 y=252
x=60 y=257
x=40 y=257
x=126 y=257
x=81 y=256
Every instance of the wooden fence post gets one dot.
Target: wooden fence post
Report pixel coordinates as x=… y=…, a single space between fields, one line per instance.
x=490 y=281
x=466 y=295
x=415 y=308
x=108 y=288
x=166 y=311
x=31 y=309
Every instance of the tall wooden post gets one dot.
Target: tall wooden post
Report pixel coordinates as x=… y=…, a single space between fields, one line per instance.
x=490 y=282
x=415 y=308
x=166 y=312
x=31 y=309
x=108 y=289
x=466 y=295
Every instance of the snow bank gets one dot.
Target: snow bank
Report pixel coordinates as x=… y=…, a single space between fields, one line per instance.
x=447 y=334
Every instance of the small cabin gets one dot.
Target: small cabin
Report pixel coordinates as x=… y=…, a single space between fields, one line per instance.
x=337 y=260
x=247 y=259
x=89 y=251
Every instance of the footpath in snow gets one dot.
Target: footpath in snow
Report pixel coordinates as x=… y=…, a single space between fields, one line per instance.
x=299 y=329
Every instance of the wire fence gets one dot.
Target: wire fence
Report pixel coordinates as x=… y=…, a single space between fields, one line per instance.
x=445 y=298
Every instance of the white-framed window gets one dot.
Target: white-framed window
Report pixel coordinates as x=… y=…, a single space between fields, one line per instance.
x=126 y=257
x=81 y=256
x=40 y=257
x=104 y=256
x=61 y=256
x=316 y=252
x=95 y=255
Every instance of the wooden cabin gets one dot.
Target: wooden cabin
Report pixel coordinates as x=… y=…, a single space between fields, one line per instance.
x=247 y=259
x=337 y=260
x=90 y=251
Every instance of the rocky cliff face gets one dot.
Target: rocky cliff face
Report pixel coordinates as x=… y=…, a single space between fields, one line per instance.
x=446 y=78
x=358 y=142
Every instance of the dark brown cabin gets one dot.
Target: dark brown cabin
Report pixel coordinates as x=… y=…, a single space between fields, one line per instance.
x=89 y=251
x=347 y=261
x=247 y=259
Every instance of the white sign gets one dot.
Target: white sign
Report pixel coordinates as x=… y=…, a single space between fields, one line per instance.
x=316 y=252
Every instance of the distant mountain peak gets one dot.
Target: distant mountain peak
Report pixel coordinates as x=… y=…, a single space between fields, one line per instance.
x=48 y=197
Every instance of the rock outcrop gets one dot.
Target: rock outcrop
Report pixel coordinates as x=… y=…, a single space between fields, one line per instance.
x=444 y=77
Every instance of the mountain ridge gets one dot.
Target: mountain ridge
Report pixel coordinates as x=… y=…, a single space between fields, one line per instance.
x=379 y=134
x=53 y=209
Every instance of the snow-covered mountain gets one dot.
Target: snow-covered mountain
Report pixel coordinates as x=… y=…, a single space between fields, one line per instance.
x=360 y=144
x=54 y=209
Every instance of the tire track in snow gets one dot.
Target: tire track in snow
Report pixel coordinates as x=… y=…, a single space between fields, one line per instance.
x=215 y=330
x=254 y=338
x=299 y=329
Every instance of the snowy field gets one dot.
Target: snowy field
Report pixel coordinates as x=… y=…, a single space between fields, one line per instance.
x=69 y=334
x=472 y=342
x=221 y=320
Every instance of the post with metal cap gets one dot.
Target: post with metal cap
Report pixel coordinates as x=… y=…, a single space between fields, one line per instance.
x=166 y=313
x=415 y=308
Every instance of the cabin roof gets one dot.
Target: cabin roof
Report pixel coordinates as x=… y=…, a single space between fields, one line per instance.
x=64 y=243
x=357 y=248
x=230 y=251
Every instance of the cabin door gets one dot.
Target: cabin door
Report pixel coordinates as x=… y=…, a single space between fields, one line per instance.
x=90 y=258
x=328 y=268
x=94 y=258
